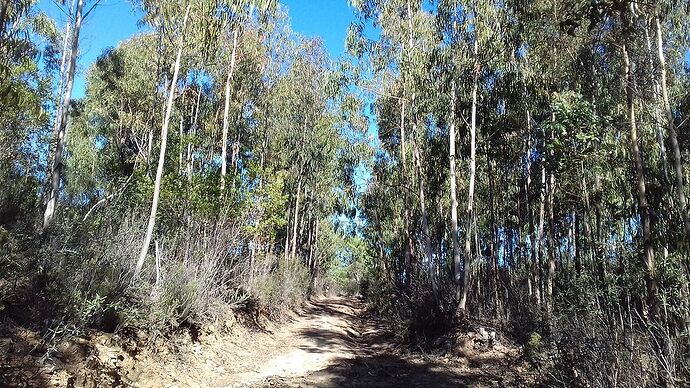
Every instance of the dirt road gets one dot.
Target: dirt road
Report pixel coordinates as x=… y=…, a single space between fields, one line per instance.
x=330 y=344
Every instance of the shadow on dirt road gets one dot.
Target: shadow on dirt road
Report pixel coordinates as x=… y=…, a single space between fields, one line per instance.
x=373 y=359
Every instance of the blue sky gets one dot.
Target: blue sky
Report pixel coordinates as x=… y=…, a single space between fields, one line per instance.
x=115 y=20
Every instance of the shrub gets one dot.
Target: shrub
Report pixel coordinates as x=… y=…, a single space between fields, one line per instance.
x=280 y=287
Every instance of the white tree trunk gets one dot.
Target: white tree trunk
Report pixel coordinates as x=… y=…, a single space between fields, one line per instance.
x=649 y=260
x=161 y=157
x=293 y=244
x=673 y=136
x=453 y=191
x=426 y=238
x=462 y=306
x=63 y=112
x=226 y=113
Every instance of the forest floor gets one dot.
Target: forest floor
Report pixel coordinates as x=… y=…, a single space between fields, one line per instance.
x=330 y=342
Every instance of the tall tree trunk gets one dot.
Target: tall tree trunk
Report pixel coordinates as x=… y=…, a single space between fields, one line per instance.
x=61 y=135
x=426 y=237
x=551 y=271
x=293 y=244
x=673 y=136
x=190 y=146
x=180 y=156
x=406 y=216
x=303 y=221
x=528 y=206
x=462 y=306
x=657 y=115
x=494 y=241
x=226 y=113
x=409 y=249
x=538 y=258
x=643 y=205
x=4 y=6
x=315 y=257
x=66 y=53
x=286 y=246
x=164 y=142
x=453 y=188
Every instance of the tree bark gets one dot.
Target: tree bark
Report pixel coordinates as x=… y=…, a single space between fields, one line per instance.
x=226 y=113
x=657 y=115
x=551 y=272
x=648 y=255
x=462 y=306
x=293 y=244
x=673 y=136
x=494 y=241
x=453 y=188
x=63 y=70
x=161 y=157
x=540 y=234
x=406 y=210
x=61 y=125
x=190 y=146
x=426 y=238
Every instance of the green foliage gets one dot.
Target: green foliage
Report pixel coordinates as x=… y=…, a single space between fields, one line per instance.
x=575 y=133
x=283 y=289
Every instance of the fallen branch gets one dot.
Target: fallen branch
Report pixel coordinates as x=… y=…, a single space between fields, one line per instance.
x=108 y=198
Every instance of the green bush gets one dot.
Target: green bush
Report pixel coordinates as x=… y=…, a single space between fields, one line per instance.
x=283 y=288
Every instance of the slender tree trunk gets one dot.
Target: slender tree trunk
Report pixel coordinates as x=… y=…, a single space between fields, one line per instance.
x=540 y=234
x=673 y=136
x=161 y=157
x=149 y=149
x=63 y=70
x=494 y=241
x=61 y=135
x=453 y=188
x=575 y=241
x=190 y=147
x=316 y=246
x=406 y=220
x=226 y=113
x=528 y=207
x=462 y=306
x=286 y=246
x=551 y=272
x=312 y=240
x=426 y=237
x=303 y=221
x=293 y=244
x=409 y=250
x=657 y=115
x=3 y=15
x=649 y=260
x=180 y=156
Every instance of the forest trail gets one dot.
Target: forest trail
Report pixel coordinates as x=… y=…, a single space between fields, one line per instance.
x=330 y=343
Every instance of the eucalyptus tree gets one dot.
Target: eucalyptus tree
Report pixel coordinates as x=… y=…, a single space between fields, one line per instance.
x=659 y=11
x=27 y=45
x=180 y=26
x=234 y=15
x=394 y=49
x=75 y=19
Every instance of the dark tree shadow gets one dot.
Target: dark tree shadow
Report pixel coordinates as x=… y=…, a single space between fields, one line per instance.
x=19 y=361
x=379 y=361
x=384 y=371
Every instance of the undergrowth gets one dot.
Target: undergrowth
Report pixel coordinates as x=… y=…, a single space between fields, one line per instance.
x=79 y=278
